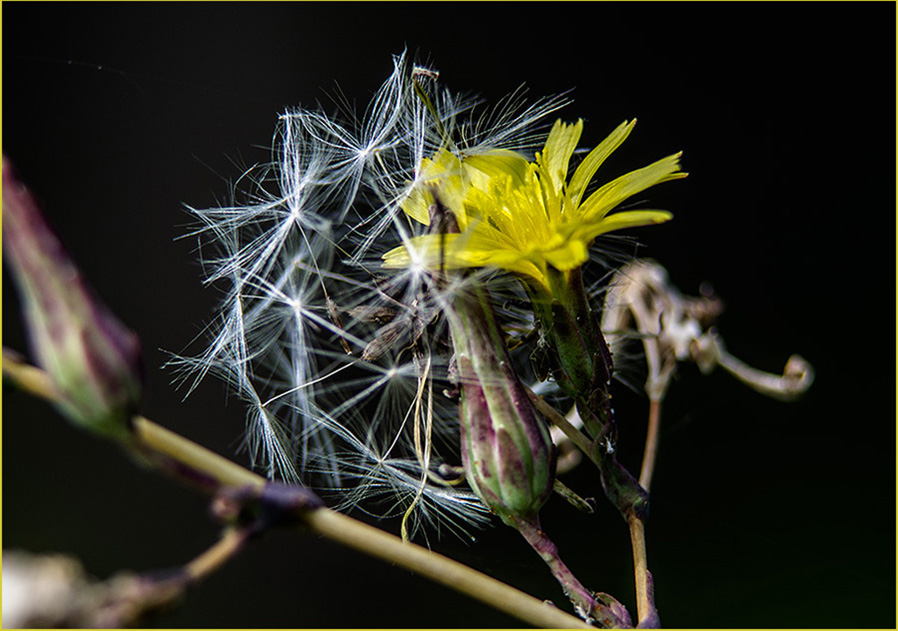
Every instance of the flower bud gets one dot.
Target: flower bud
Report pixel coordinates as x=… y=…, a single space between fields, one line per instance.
x=575 y=351
x=93 y=360
x=507 y=453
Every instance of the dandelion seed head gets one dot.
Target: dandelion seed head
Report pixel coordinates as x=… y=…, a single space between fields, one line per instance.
x=340 y=360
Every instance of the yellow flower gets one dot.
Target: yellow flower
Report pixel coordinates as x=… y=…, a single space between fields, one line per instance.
x=523 y=216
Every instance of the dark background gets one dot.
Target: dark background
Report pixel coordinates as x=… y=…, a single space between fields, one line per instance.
x=765 y=514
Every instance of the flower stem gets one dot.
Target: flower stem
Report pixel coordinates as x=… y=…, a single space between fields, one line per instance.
x=214 y=473
x=26 y=377
x=584 y=601
x=646 y=612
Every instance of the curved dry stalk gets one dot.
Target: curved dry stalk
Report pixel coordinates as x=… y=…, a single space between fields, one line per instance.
x=797 y=377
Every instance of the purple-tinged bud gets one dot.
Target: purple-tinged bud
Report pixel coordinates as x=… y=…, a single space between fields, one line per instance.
x=506 y=450
x=93 y=360
x=507 y=453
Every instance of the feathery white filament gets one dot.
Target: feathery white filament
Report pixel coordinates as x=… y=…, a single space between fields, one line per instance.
x=322 y=343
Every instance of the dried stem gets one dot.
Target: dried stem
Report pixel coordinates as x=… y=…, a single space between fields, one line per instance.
x=215 y=473
x=651 y=444
x=797 y=377
x=27 y=377
x=645 y=600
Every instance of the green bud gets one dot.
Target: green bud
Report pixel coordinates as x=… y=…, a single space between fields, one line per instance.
x=508 y=456
x=506 y=450
x=582 y=366
x=93 y=360
x=575 y=347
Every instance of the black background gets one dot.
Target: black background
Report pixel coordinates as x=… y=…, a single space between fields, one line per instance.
x=765 y=514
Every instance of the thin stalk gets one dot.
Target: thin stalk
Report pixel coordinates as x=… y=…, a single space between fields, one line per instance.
x=218 y=472
x=203 y=464
x=27 y=377
x=557 y=418
x=583 y=600
x=375 y=542
x=651 y=444
x=646 y=612
x=645 y=598
x=795 y=380
x=223 y=550
x=371 y=540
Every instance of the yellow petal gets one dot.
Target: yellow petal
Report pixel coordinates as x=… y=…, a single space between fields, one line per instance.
x=460 y=251
x=416 y=204
x=443 y=175
x=484 y=166
x=622 y=220
x=573 y=253
x=594 y=160
x=507 y=260
x=613 y=193
x=396 y=258
x=556 y=155
x=429 y=251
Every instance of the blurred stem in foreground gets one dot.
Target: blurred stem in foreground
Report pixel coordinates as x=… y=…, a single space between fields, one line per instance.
x=206 y=469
